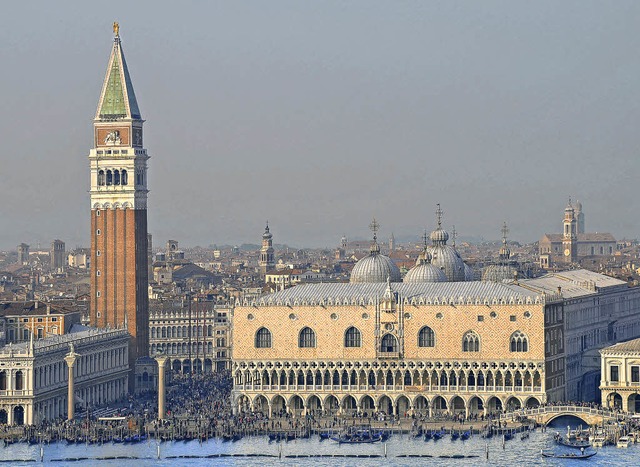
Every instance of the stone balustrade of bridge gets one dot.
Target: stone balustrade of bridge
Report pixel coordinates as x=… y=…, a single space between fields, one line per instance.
x=545 y=414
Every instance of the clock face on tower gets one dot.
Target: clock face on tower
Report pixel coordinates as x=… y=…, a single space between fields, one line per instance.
x=567 y=252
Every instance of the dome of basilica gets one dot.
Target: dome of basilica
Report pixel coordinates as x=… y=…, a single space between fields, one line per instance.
x=375 y=267
x=446 y=257
x=424 y=271
x=499 y=273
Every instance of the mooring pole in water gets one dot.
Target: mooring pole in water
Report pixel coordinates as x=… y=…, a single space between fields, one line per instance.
x=486 y=450
x=503 y=440
x=158 y=450
x=41 y=453
x=279 y=451
x=385 y=450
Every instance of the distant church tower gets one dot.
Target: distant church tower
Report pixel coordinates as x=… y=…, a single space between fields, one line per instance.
x=119 y=274
x=579 y=217
x=570 y=235
x=267 y=261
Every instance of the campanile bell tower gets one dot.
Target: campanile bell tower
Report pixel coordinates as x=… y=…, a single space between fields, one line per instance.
x=118 y=161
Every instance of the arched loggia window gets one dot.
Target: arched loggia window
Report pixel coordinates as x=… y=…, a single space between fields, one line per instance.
x=307 y=338
x=389 y=344
x=519 y=342
x=426 y=337
x=470 y=342
x=101 y=179
x=352 y=338
x=263 y=338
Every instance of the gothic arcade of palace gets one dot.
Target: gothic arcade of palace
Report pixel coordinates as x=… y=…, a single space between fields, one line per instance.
x=469 y=347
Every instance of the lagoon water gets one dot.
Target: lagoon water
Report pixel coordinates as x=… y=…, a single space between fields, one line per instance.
x=258 y=451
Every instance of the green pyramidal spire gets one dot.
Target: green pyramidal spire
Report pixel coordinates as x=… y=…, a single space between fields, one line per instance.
x=117 y=100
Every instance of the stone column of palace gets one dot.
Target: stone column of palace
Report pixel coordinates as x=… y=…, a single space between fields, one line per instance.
x=162 y=360
x=71 y=361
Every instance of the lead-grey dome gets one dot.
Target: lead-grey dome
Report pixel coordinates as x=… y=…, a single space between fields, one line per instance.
x=375 y=268
x=449 y=261
x=499 y=273
x=424 y=271
x=469 y=275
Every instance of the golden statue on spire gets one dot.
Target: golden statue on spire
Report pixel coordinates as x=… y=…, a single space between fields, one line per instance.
x=116 y=29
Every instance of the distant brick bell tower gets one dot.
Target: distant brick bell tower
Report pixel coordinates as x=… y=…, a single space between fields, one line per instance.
x=119 y=273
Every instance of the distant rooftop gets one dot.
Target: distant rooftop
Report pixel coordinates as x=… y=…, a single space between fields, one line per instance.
x=628 y=346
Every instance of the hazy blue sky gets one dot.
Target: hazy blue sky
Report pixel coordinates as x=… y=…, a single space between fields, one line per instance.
x=320 y=115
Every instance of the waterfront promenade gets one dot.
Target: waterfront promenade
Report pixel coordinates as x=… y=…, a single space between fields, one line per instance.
x=198 y=407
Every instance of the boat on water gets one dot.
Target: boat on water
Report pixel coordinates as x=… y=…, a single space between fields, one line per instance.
x=360 y=435
x=454 y=435
x=488 y=433
x=571 y=443
x=438 y=435
x=623 y=442
x=599 y=441
x=571 y=455
x=465 y=435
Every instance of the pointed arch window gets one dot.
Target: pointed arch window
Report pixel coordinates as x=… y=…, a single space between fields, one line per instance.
x=125 y=177
x=263 y=338
x=389 y=344
x=426 y=337
x=307 y=338
x=116 y=177
x=101 y=179
x=352 y=338
x=471 y=342
x=109 y=178
x=519 y=342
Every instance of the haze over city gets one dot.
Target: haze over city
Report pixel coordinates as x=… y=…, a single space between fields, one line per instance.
x=320 y=116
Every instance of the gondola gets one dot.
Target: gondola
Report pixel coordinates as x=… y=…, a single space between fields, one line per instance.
x=578 y=444
x=488 y=433
x=570 y=455
x=324 y=435
x=438 y=435
x=362 y=435
x=428 y=434
x=465 y=436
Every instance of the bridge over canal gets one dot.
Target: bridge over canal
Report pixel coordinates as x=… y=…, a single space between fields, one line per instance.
x=545 y=414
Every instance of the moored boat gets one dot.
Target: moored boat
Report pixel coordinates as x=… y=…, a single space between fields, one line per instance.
x=623 y=442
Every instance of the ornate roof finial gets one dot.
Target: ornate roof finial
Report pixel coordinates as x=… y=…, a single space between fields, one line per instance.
x=454 y=234
x=116 y=29
x=425 y=237
x=375 y=226
x=439 y=213
x=505 y=231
